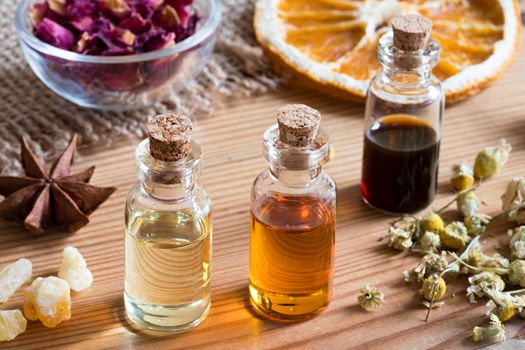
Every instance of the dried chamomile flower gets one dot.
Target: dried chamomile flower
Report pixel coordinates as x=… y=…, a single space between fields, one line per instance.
x=48 y=300
x=491 y=159
x=431 y=264
x=516 y=273
x=494 y=332
x=399 y=238
x=432 y=223
x=475 y=225
x=455 y=235
x=13 y=276
x=462 y=177
x=400 y=234
x=12 y=323
x=74 y=270
x=478 y=259
x=434 y=288
x=503 y=304
x=370 y=298
x=517 y=242
x=481 y=282
x=468 y=204
x=430 y=242
x=455 y=267
x=513 y=200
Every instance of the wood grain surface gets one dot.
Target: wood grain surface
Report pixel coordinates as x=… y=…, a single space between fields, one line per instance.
x=231 y=142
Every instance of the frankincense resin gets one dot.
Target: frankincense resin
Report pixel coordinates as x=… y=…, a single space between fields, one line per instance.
x=12 y=323
x=13 y=276
x=48 y=300
x=74 y=270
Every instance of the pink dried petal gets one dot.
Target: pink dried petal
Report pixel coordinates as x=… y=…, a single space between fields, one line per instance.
x=86 y=24
x=89 y=44
x=159 y=42
x=54 y=34
x=182 y=33
x=37 y=12
x=182 y=10
x=80 y=9
x=57 y=6
x=136 y=24
x=167 y=18
x=118 y=8
x=145 y=8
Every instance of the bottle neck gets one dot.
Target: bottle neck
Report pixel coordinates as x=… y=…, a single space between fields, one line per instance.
x=167 y=181
x=295 y=178
x=166 y=189
x=294 y=166
x=407 y=69
x=415 y=77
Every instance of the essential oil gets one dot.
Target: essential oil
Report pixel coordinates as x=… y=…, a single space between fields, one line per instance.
x=400 y=164
x=168 y=233
x=168 y=273
x=292 y=230
x=291 y=262
x=403 y=115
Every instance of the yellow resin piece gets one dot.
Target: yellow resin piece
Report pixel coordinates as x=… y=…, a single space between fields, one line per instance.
x=12 y=323
x=13 y=276
x=74 y=270
x=48 y=300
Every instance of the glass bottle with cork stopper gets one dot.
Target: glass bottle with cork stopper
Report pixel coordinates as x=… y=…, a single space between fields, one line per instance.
x=168 y=232
x=403 y=120
x=292 y=231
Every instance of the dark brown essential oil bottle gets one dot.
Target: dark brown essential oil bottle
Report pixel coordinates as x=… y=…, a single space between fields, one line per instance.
x=403 y=120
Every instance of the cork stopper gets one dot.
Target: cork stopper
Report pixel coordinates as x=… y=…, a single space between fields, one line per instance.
x=298 y=124
x=169 y=137
x=411 y=32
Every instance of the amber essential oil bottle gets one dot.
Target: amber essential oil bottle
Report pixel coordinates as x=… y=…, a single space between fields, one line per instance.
x=403 y=120
x=292 y=231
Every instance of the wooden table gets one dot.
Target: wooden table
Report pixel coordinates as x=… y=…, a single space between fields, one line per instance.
x=231 y=140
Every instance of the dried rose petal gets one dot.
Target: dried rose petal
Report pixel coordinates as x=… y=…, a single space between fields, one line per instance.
x=159 y=42
x=182 y=33
x=57 y=6
x=37 y=12
x=167 y=18
x=117 y=8
x=86 y=24
x=181 y=7
x=146 y=8
x=136 y=24
x=54 y=34
x=79 y=9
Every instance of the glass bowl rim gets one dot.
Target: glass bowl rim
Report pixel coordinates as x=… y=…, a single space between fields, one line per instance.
x=25 y=34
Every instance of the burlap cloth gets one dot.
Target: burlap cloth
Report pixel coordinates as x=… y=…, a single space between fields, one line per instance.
x=27 y=107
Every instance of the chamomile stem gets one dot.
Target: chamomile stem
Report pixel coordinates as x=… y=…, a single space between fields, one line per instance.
x=517 y=291
x=489 y=269
x=501 y=213
x=432 y=293
x=473 y=188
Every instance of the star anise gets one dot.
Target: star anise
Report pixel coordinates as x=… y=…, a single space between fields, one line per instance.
x=55 y=199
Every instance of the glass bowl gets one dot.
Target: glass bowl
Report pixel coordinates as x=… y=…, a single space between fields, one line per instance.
x=119 y=82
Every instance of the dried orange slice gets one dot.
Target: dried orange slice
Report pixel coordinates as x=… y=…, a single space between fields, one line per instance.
x=334 y=42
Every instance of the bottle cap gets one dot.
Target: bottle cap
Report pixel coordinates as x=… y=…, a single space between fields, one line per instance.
x=411 y=32
x=169 y=137
x=298 y=124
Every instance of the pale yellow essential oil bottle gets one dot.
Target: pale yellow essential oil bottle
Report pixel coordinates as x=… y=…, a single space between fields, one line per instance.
x=168 y=232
